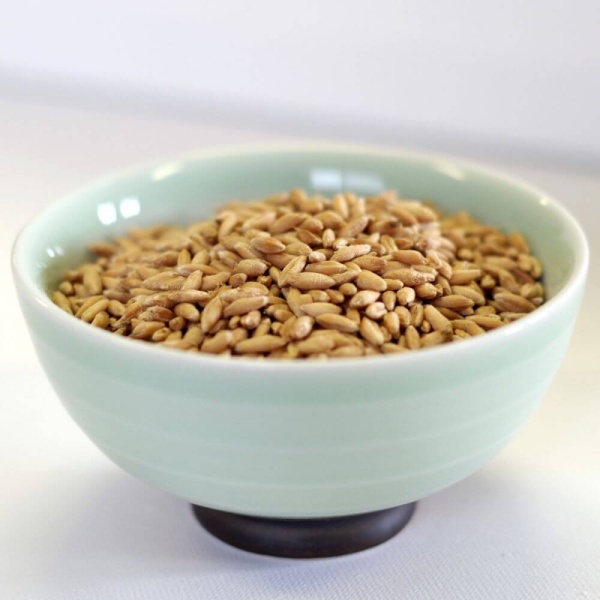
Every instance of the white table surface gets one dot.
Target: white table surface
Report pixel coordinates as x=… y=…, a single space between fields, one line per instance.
x=74 y=526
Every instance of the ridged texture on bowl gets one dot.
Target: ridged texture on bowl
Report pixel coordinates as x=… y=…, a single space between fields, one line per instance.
x=291 y=439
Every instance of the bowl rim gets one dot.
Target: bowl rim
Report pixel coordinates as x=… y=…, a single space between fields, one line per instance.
x=477 y=345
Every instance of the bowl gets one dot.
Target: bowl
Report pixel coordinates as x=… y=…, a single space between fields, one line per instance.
x=268 y=444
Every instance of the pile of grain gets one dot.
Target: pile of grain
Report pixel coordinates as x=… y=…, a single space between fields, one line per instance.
x=299 y=276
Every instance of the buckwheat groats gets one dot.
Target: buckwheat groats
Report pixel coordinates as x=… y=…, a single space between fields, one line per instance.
x=304 y=276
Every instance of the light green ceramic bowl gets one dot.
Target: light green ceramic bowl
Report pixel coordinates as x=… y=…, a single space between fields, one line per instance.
x=298 y=439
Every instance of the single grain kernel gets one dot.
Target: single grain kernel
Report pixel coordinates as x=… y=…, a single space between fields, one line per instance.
x=337 y=322
x=367 y=280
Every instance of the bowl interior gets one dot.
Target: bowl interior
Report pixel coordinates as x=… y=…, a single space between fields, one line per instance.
x=191 y=188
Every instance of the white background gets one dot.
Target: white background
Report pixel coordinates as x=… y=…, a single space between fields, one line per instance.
x=521 y=76
x=89 y=87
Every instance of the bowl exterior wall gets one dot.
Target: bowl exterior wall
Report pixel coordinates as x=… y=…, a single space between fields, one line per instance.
x=298 y=440
x=363 y=436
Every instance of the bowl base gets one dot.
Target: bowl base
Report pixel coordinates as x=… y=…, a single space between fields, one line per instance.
x=305 y=538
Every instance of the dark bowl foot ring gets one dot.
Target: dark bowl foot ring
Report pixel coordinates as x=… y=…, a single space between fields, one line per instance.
x=305 y=538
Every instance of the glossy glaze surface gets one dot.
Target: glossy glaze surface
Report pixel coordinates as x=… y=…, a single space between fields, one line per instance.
x=298 y=439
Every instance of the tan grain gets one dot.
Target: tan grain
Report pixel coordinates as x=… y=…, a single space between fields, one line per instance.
x=376 y=311
x=177 y=323
x=531 y=290
x=245 y=305
x=211 y=314
x=426 y=291
x=436 y=337
x=393 y=284
x=193 y=281
x=315 y=345
x=194 y=336
x=389 y=300
x=90 y=313
x=464 y=276
x=145 y=329
x=468 y=292
x=390 y=348
x=371 y=331
x=513 y=303
x=239 y=334
x=263 y=327
x=311 y=281
x=413 y=340
x=160 y=335
x=391 y=321
x=103 y=249
x=367 y=280
x=251 y=320
x=251 y=267
x=454 y=302
x=410 y=276
x=164 y=281
x=339 y=204
x=337 y=322
x=260 y=344
x=315 y=257
x=212 y=282
x=348 y=276
x=405 y=296
x=346 y=352
x=348 y=253
x=509 y=282
x=62 y=302
x=470 y=327
x=417 y=315
x=155 y=313
x=509 y=317
x=319 y=295
x=335 y=296
x=286 y=223
x=364 y=298
x=293 y=267
x=66 y=287
x=486 y=322
x=301 y=328
x=298 y=248
x=188 y=312
x=354 y=227
x=267 y=245
x=101 y=320
x=409 y=257
x=92 y=281
x=218 y=343
x=348 y=289
x=314 y=309
x=170 y=299
x=227 y=225
x=354 y=315
x=85 y=304
x=282 y=315
x=326 y=267
x=184 y=257
x=437 y=320
x=370 y=262
x=116 y=308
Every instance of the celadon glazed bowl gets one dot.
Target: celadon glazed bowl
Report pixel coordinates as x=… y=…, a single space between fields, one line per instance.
x=305 y=439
